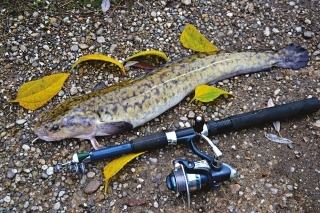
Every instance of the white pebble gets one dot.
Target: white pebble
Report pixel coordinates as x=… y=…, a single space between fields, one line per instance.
x=299 y=29
x=21 y=121
x=181 y=124
x=50 y=170
x=133 y=170
x=139 y=186
x=153 y=160
x=155 y=204
x=276 y=92
x=275 y=30
x=101 y=39
x=26 y=147
x=57 y=206
x=266 y=32
x=7 y=199
x=91 y=174
x=44 y=167
x=46 y=47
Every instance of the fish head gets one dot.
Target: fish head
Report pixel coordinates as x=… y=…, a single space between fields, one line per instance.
x=78 y=125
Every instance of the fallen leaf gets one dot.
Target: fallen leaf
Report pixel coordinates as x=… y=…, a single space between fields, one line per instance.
x=115 y=166
x=99 y=57
x=144 y=65
x=277 y=139
x=192 y=39
x=34 y=94
x=148 y=52
x=276 y=124
x=205 y=93
x=105 y=5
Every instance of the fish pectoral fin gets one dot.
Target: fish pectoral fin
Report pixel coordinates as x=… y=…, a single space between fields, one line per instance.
x=112 y=128
x=95 y=144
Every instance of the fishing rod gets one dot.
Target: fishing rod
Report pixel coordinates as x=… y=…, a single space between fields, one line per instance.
x=210 y=128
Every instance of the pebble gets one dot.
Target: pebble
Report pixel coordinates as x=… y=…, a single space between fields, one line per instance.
x=7 y=199
x=83 y=46
x=191 y=114
x=10 y=174
x=234 y=188
x=101 y=39
x=46 y=47
x=92 y=187
x=153 y=13
x=274 y=191
x=25 y=147
x=153 y=160
x=91 y=174
x=299 y=29
x=20 y=121
x=56 y=206
x=275 y=30
x=308 y=34
x=266 y=32
x=74 y=48
x=50 y=170
x=112 y=203
x=155 y=204
x=186 y=2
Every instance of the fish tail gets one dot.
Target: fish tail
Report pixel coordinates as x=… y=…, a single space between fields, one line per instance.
x=294 y=57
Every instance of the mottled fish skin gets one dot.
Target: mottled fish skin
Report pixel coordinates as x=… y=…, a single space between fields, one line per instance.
x=130 y=104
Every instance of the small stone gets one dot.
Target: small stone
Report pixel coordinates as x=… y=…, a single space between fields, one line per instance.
x=7 y=199
x=276 y=92
x=234 y=188
x=308 y=34
x=26 y=204
x=113 y=47
x=318 y=46
x=83 y=46
x=73 y=90
x=274 y=191
x=183 y=118
x=10 y=174
x=50 y=171
x=307 y=21
x=46 y=47
x=153 y=160
x=153 y=14
x=299 y=29
x=292 y=3
x=100 y=31
x=191 y=114
x=74 y=48
x=186 y=2
x=56 y=206
x=133 y=170
x=26 y=147
x=20 y=121
x=92 y=187
x=101 y=39
x=35 y=14
x=91 y=174
x=266 y=32
x=290 y=187
x=155 y=204
x=112 y=203
x=275 y=30
x=61 y=193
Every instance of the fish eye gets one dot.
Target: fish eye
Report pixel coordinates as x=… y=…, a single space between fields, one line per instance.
x=55 y=127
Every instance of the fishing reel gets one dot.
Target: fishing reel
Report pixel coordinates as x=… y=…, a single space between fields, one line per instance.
x=189 y=176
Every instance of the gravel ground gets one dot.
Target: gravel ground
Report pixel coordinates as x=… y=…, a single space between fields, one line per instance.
x=49 y=36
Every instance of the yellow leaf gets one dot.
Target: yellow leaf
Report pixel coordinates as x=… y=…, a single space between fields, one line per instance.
x=115 y=166
x=192 y=39
x=99 y=57
x=35 y=94
x=149 y=52
x=205 y=93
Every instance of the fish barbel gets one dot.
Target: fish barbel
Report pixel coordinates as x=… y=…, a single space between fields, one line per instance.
x=124 y=106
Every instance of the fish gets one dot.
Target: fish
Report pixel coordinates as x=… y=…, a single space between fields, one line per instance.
x=129 y=104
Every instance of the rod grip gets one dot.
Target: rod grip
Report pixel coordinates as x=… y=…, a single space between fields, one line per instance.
x=270 y=114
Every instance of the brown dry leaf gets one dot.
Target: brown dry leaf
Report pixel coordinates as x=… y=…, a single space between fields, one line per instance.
x=34 y=94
